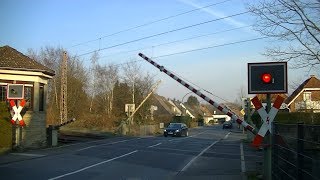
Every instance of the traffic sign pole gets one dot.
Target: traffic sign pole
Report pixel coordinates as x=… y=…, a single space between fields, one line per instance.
x=268 y=151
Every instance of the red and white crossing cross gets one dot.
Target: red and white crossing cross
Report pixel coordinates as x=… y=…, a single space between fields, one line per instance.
x=17 y=111
x=266 y=117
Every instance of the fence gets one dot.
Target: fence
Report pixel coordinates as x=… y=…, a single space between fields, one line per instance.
x=296 y=151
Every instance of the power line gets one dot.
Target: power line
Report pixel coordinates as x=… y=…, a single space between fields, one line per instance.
x=149 y=23
x=210 y=47
x=166 y=32
x=198 y=49
x=176 y=41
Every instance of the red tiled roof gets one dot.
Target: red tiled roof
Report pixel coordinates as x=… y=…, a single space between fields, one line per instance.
x=12 y=59
x=311 y=82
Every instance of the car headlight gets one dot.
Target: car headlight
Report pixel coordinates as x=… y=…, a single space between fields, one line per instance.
x=177 y=130
x=165 y=130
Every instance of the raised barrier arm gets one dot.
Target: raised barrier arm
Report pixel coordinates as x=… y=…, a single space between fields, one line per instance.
x=218 y=106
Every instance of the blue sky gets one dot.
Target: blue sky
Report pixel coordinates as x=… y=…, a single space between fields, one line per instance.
x=221 y=70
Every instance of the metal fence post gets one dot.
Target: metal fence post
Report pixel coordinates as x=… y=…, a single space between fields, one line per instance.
x=300 y=149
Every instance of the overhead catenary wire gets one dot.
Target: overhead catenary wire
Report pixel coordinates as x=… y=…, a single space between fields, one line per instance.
x=177 y=41
x=210 y=47
x=198 y=49
x=162 y=33
x=149 y=23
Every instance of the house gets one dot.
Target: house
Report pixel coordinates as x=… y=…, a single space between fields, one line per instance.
x=218 y=116
x=188 y=110
x=306 y=97
x=161 y=110
x=16 y=68
x=207 y=114
x=175 y=107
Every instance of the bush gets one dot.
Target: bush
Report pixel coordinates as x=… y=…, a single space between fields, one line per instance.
x=184 y=119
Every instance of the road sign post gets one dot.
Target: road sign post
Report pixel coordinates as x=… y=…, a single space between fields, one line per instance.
x=267 y=78
x=268 y=151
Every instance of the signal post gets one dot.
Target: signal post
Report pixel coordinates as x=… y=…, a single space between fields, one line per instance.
x=267 y=78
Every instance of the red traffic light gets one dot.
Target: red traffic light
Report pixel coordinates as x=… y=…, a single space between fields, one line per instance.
x=266 y=78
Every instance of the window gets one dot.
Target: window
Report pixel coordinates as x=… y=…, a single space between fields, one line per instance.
x=3 y=93
x=41 y=98
x=28 y=97
x=307 y=96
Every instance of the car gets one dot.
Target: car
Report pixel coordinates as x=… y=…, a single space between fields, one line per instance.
x=176 y=129
x=227 y=125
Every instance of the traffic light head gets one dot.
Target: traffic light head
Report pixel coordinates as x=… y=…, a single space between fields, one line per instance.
x=270 y=77
x=266 y=78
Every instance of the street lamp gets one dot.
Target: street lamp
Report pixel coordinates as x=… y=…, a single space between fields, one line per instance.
x=184 y=112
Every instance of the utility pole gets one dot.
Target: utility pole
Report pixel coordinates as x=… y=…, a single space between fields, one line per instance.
x=63 y=92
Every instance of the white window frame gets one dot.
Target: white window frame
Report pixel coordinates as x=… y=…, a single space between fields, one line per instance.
x=306 y=96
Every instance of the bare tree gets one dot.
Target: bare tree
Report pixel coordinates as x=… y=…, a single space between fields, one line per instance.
x=296 y=24
x=77 y=82
x=91 y=88
x=105 y=79
x=131 y=72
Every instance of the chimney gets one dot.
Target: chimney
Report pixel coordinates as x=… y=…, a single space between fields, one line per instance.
x=312 y=75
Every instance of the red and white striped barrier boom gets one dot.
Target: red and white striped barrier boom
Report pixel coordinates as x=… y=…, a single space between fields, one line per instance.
x=218 y=106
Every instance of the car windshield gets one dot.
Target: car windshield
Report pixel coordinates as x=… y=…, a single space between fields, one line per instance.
x=174 y=126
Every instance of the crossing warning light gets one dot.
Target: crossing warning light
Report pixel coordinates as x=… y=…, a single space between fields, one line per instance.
x=15 y=91
x=268 y=77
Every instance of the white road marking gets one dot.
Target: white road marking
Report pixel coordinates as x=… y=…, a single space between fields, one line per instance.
x=179 y=139
x=109 y=143
x=154 y=145
x=187 y=137
x=28 y=154
x=86 y=148
x=243 y=163
x=91 y=166
x=227 y=135
x=192 y=160
x=73 y=144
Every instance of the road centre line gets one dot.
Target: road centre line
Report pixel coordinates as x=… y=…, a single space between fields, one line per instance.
x=193 y=159
x=227 y=135
x=28 y=154
x=187 y=137
x=154 y=145
x=109 y=143
x=91 y=166
x=243 y=163
x=86 y=148
x=203 y=151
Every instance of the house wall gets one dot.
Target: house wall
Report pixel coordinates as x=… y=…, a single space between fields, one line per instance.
x=315 y=96
x=32 y=135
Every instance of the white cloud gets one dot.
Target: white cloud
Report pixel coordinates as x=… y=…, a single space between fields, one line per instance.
x=215 y=13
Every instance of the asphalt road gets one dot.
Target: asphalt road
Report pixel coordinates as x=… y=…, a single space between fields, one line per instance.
x=208 y=153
